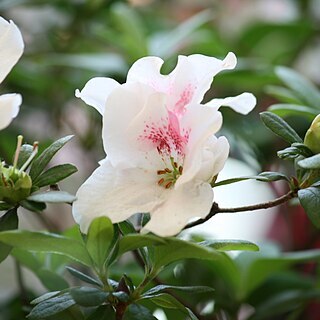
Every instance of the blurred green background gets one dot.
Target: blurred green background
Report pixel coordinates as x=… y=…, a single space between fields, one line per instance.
x=67 y=42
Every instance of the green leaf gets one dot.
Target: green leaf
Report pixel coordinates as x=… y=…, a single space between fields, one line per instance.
x=51 y=306
x=177 y=249
x=39 y=164
x=45 y=296
x=52 y=197
x=131 y=242
x=279 y=127
x=138 y=312
x=284 y=302
x=51 y=280
x=88 y=297
x=104 y=312
x=84 y=277
x=273 y=176
x=55 y=174
x=304 y=89
x=311 y=162
x=228 y=245
x=282 y=94
x=100 y=235
x=285 y=110
x=9 y=221
x=310 y=201
x=167 y=301
x=5 y=206
x=33 y=206
x=24 y=154
x=47 y=242
x=187 y=289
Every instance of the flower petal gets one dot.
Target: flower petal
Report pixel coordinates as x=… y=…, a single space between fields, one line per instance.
x=189 y=201
x=130 y=108
x=9 y=108
x=11 y=46
x=96 y=92
x=214 y=156
x=147 y=70
x=117 y=194
x=193 y=76
x=243 y=103
x=204 y=122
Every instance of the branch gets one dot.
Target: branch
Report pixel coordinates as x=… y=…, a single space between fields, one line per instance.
x=215 y=209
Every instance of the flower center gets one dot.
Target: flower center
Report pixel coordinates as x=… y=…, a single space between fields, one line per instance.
x=169 y=176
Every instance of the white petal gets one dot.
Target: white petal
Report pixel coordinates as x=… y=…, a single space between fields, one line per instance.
x=214 y=157
x=242 y=103
x=116 y=194
x=11 y=47
x=96 y=92
x=203 y=123
x=129 y=109
x=189 y=201
x=147 y=70
x=193 y=76
x=9 y=108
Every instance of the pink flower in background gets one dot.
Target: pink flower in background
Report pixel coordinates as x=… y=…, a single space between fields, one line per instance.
x=11 y=49
x=160 y=142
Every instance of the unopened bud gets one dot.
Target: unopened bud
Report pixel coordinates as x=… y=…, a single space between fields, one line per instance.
x=15 y=185
x=312 y=138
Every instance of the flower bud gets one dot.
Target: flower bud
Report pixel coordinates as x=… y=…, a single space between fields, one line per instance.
x=312 y=138
x=15 y=185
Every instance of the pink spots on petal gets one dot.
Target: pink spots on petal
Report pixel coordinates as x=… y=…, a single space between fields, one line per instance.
x=165 y=136
x=184 y=99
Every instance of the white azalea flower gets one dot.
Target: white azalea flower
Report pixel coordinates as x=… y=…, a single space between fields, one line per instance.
x=11 y=49
x=187 y=83
x=161 y=149
x=158 y=162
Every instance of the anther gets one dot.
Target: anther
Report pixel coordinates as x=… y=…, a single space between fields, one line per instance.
x=160 y=182
x=167 y=170
x=160 y=172
x=168 y=185
x=180 y=169
x=175 y=164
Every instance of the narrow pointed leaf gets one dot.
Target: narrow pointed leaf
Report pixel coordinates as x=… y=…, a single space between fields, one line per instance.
x=88 y=297
x=300 y=85
x=51 y=306
x=55 y=174
x=285 y=110
x=279 y=127
x=228 y=245
x=39 y=164
x=84 y=277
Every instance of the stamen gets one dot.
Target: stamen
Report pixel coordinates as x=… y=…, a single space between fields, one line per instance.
x=161 y=181
x=168 y=185
x=180 y=170
x=160 y=172
x=167 y=170
x=16 y=155
x=32 y=155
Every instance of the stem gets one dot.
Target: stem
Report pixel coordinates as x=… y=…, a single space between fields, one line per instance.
x=156 y=280
x=215 y=209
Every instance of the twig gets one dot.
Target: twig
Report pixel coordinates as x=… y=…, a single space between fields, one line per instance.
x=215 y=209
